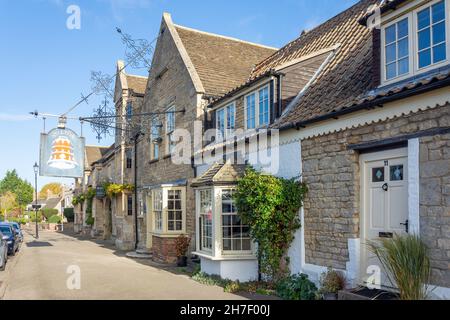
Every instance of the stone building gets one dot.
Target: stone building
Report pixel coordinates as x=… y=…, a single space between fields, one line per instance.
x=189 y=68
x=365 y=122
x=128 y=97
x=92 y=154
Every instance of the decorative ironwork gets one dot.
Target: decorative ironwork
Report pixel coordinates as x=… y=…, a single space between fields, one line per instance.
x=104 y=123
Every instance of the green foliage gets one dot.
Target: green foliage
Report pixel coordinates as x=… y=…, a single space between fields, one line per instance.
x=54 y=188
x=21 y=221
x=232 y=287
x=7 y=202
x=296 y=287
x=69 y=214
x=90 y=220
x=55 y=219
x=78 y=199
x=407 y=262
x=47 y=212
x=21 y=188
x=332 y=281
x=270 y=206
x=89 y=196
x=33 y=216
x=113 y=189
x=209 y=280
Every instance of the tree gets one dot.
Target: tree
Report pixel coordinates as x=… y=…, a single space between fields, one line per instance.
x=7 y=202
x=22 y=189
x=54 y=188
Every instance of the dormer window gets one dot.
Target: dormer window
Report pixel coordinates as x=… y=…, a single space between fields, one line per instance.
x=225 y=120
x=257 y=108
x=416 y=41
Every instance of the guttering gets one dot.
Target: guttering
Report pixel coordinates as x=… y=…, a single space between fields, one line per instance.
x=388 y=5
x=369 y=104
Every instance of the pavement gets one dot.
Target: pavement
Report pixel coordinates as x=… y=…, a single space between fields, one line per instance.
x=61 y=266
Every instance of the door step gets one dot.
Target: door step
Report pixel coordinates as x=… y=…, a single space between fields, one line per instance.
x=364 y=293
x=137 y=255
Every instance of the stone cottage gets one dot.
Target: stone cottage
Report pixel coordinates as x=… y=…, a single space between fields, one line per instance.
x=362 y=111
x=189 y=69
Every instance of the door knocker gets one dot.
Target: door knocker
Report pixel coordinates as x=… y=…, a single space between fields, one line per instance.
x=385 y=187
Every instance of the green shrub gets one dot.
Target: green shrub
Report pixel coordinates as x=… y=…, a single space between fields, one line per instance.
x=407 y=263
x=49 y=212
x=332 y=281
x=69 y=214
x=33 y=216
x=19 y=220
x=55 y=219
x=90 y=220
x=232 y=287
x=270 y=206
x=296 y=287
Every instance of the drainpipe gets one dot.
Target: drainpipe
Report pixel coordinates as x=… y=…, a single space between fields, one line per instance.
x=136 y=204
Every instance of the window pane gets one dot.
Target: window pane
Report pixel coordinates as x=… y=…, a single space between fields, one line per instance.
x=391 y=53
x=378 y=174
x=424 y=39
x=390 y=34
x=263 y=106
x=226 y=220
x=226 y=232
x=439 y=53
x=246 y=245
x=423 y=18
x=227 y=244
x=170 y=215
x=391 y=71
x=237 y=245
x=251 y=111
x=171 y=226
x=438 y=11
x=227 y=208
x=403 y=49
x=439 y=33
x=403 y=66
x=179 y=226
x=402 y=29
x=396 y=173
x=424 y=58
x=178 y=215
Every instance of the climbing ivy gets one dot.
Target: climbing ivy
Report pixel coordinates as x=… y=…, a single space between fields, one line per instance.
x=270 y=206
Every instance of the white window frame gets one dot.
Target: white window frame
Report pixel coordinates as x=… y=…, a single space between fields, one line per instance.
x=153 y=146
x=158 y=213
x=164 y=230
x=201 y=217
x=230 y=252
x=413 y=43
x=227 y=132
x=257 y=113
x=169 y=130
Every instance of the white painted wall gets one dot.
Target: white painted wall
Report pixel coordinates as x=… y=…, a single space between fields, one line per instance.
x=242 y=270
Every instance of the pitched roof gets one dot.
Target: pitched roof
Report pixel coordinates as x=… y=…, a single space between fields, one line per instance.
x=93 y=154
x=137 y=83
x=51 y=203
x=220 y=174
x=222 y=63
x=345 y=78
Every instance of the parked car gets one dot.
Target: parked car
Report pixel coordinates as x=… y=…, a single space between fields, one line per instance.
x=12 y=237
x=3 y=251
x=18 y=230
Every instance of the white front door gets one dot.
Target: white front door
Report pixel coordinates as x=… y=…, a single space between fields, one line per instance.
x=385 y=201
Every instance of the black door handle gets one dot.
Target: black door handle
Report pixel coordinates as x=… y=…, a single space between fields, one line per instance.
x=406 y=224
x=385 y=187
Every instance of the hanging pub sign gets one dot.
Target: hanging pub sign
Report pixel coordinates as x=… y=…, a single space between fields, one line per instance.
x=61 y=154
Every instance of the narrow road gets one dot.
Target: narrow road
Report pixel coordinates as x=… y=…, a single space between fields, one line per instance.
x=40 y=271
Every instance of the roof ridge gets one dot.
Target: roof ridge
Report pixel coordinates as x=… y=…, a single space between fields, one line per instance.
x=226 y=37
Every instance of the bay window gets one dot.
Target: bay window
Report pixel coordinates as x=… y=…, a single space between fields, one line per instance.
x=169 y=210
x=235 y=235
x=257 y=108
x=416 y=41
x=225 y=120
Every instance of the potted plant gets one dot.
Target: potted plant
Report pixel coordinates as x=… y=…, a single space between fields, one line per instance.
x=182 y=246
x=331 y=282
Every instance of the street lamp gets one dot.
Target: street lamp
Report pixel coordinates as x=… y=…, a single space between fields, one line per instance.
x=36 y=168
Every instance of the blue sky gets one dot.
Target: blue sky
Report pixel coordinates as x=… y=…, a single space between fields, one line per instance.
x=46 y=66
